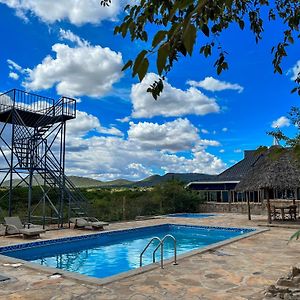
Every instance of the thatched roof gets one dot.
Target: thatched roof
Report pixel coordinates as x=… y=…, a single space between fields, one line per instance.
x=275 y=168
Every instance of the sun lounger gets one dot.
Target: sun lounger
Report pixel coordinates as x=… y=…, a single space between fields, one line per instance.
x=14 y=226
x=94 y=223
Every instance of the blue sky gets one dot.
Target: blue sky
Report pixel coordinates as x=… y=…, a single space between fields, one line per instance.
x=202 y=122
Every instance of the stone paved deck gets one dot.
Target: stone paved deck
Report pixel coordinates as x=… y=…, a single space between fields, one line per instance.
x=240 y=270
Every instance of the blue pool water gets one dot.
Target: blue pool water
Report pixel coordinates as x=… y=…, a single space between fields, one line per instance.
x=109 y=253
x=190 y=215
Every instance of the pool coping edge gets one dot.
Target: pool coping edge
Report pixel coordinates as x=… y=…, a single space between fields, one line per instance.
x=85 y=279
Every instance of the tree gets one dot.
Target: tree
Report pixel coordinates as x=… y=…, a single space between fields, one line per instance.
x=294 y=117
x=178 y=23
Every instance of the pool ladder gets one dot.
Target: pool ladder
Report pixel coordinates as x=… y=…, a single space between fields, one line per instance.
x=161 y=246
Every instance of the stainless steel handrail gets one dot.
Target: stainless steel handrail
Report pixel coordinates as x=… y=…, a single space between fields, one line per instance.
x=161 y=254
x=162 y=248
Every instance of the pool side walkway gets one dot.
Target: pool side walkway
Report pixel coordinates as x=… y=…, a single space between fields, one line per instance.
x=241 y=270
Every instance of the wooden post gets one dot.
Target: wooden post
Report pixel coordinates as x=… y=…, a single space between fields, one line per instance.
x=248 y=206
x=229 y=200
x=268 y=206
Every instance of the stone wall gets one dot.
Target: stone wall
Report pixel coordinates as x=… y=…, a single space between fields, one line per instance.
x=241 y=207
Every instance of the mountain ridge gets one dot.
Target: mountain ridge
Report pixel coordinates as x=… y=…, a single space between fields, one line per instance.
x=86 y=182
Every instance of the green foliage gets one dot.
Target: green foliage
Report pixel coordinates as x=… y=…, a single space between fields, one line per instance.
x=276 y=153
x=178 y=23
x=294 y=117
x=169 y=197
x=261 y=150
x=115 y=205
x=296 y=235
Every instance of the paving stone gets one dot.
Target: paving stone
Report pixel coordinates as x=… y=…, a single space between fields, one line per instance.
x=238 y=271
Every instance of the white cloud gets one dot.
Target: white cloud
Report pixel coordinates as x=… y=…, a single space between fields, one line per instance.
x=222 y=151
x=68 y=35
x=14 y=66
x=78 y=71
x=204 y=131
x=237 y=150
x=16 y=70
x=76 y=12
x=114 y=157
x=225 y=129
x=212 y=84
x=178 y=135
x=207 y=143
x=281 y=122
x=124 y=120
x=13 y=75
x=295 y=70
x=134 y=156
x=172 y=102
x=87 y=123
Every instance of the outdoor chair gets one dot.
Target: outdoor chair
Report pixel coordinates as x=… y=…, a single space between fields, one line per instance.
x=85 y=222
x=13 y=225
x=275 y=214
x=292 y=214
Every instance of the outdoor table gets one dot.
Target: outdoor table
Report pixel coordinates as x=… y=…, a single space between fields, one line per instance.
x=291 y=211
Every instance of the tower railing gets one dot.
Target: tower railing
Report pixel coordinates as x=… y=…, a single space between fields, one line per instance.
x=30 y=102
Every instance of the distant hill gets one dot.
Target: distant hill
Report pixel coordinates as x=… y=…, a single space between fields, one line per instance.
x=184 y=177
x=85 y=182
x=81 y=182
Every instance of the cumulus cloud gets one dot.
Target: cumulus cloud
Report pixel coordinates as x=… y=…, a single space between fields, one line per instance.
x=77 y=12
x=295 y=70
x=225 y=129
x=204 y=131
x=146 y=148
x=87 y=123
x=172 y=102
x=178 y=135
x=214 y=85
x=83 y=70
x=281 y=122
x=114 y=157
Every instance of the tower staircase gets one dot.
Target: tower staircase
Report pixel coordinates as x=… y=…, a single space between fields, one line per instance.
x=37 y=148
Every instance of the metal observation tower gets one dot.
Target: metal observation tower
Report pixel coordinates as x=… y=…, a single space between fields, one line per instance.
x=32 y=150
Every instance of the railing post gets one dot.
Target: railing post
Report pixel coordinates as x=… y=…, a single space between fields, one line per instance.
x=175 y=252
x=162 y=254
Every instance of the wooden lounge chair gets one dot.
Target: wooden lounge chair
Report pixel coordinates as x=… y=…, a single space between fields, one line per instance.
x=13 y=225
x=85 y=222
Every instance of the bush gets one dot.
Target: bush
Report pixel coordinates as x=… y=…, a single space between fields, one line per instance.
x=115 y=205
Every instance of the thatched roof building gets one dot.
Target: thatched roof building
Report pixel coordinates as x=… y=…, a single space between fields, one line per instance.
x=277 y=168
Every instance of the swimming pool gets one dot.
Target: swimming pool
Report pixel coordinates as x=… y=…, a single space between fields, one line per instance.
x=109 y=253
x=191 y=215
